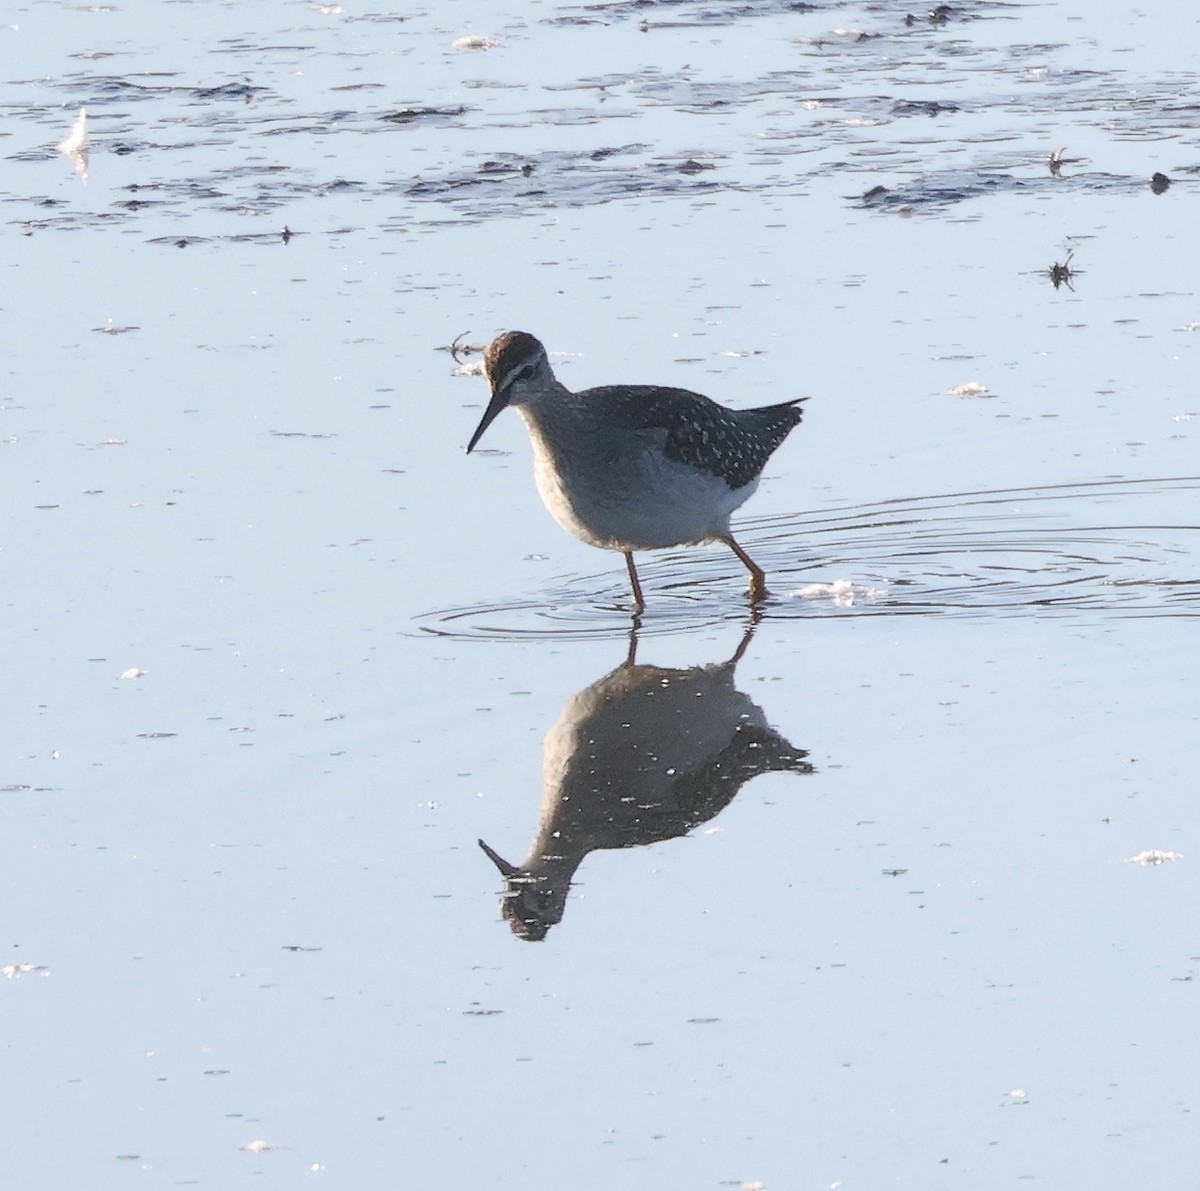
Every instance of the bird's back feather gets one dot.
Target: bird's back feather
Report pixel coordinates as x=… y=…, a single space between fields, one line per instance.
x=732 y=444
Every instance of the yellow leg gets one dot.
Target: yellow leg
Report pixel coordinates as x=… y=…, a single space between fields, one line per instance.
x=758 y=577
x=639 y=604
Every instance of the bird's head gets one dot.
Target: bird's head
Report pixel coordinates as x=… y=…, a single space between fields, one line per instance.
x=517 y=368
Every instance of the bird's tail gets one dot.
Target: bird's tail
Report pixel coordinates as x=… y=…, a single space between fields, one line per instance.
x=773 y=422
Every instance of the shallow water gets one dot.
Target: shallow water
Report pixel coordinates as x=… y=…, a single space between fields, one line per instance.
x=281 y=653
x=1064 y=549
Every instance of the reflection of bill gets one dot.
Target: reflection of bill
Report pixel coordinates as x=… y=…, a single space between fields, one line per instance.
x=644 y=754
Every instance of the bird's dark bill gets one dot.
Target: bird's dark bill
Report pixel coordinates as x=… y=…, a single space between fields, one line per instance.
x=506 y=869
x=497 y=403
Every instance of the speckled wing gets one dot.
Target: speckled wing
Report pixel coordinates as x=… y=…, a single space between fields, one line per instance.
x=732 y=444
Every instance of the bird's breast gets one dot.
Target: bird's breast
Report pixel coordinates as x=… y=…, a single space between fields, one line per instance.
x=621 y=492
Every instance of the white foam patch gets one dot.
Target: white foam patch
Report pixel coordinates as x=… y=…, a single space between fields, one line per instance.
x=841 y=593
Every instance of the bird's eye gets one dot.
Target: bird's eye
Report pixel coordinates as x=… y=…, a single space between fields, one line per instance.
x=526 y=373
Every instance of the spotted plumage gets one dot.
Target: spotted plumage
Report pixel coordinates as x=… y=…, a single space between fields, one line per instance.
x=635 y=467
x=732 y=444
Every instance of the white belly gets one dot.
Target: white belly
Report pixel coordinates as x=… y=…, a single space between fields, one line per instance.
x=641 y=502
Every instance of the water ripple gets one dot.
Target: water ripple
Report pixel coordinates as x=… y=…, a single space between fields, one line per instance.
x=1120 y=548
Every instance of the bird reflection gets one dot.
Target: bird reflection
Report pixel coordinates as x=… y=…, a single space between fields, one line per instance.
x=644 y=754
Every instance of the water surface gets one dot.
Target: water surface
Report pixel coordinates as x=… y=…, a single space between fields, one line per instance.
x=280 y=653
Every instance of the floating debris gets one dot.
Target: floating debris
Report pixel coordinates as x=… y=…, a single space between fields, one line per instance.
x=1062 y=274
x=459 y=350
x=970 y=388
x=410 y=115
x=474 y=43
x=1153 y=856
x=75 y=147
x=922 y=107
x=935 y=16
x=1059 y=158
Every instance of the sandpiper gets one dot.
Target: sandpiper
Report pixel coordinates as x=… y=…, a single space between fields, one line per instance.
x=635 y=467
